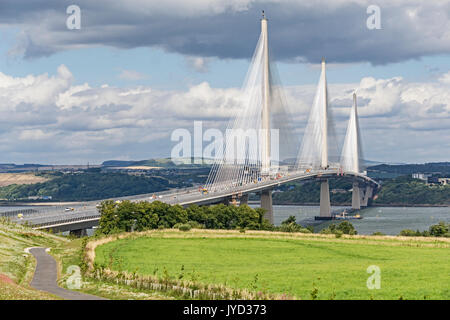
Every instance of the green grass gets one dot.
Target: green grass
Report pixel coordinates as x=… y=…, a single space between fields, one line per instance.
x=10 y=291
x=333 y=268
x=18 y=265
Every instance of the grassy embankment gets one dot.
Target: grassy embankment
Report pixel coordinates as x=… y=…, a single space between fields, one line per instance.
x=16 y=266
x=302 y=265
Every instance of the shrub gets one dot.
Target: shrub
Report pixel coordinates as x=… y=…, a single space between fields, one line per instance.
x=338 y=233
x=439 y=230
x=195 y=225
x=345 y=227
x=184 y=227
x=290 y=225
x=408 y=233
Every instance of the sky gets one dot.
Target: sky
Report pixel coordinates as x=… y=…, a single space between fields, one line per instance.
x=137 y=70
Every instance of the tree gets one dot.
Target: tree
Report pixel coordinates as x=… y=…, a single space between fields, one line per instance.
x=439 y=230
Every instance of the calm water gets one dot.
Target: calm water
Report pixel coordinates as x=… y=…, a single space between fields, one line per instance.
x=388 y=220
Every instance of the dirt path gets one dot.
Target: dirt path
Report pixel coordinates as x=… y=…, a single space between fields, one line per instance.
x=45 y=278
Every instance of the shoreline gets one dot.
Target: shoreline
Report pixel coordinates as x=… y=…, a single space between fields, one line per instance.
x=252 y=202
x=373 y=205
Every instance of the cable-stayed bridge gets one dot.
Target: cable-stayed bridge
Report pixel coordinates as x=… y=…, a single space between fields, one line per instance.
x=257 y=138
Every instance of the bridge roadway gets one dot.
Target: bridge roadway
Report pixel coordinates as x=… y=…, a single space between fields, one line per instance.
x=85 y=215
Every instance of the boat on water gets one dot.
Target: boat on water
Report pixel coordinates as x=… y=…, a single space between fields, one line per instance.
x=344 y=216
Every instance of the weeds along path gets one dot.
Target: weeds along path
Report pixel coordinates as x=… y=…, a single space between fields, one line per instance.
x=46 y=274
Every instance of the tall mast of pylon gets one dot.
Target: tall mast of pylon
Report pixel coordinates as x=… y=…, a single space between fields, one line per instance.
x=265 y=116
x=324 y=161
x=356 y=144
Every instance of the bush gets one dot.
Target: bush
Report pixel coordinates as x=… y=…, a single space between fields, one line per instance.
x=338 y=233
x=195 y=225
x=345 y=227
x=439 y=230
x=409 y=233
x=378 y=233
x=184 y=227
x=290 y=225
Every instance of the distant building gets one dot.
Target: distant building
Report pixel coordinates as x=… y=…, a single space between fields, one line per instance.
x=433 y=180
x=334 y=191
x=439 y=181
x=421 y=176
x=40 y=198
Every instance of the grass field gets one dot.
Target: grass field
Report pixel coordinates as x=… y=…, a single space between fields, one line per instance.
x=7 y=179
x=306 y=267
x=16 y=266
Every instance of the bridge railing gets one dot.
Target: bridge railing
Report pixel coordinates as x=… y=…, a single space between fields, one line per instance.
x=64 y=221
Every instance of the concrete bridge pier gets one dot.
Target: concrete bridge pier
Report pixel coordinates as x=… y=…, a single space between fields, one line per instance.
x=78 y=233
x=325 y=206
x=266 y=203
x=228 y=200
x=243 y=199
x=361 y=195
x=367 y=195
x=356 y=197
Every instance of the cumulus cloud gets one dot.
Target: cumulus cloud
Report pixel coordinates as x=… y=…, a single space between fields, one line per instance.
x=299 y=30
x=50 y=119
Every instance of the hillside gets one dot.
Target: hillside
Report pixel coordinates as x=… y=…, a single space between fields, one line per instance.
x=7 y=179
x=87 y=186
x=439 y=168
x=16 y=266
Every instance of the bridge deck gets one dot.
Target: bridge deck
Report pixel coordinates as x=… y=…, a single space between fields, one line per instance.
x=86 y=213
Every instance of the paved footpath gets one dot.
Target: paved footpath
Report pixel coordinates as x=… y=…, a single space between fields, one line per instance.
x=45 y=277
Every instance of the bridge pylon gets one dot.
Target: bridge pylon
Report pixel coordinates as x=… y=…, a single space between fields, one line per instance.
x=367 y=195
x=243 y=199
x=351 y=158
x=356 y=196
x=266 y=204
x=325 y=205
x=265 y=112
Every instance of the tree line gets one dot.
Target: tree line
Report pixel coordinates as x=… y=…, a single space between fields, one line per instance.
x=139 y=216
x=87 y=186
x=127 y=216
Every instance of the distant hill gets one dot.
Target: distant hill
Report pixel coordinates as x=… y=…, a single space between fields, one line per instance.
x=158 y=162
x=441 y=168
x=20 y=166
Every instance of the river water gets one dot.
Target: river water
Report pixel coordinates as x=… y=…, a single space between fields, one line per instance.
x=388 y=220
